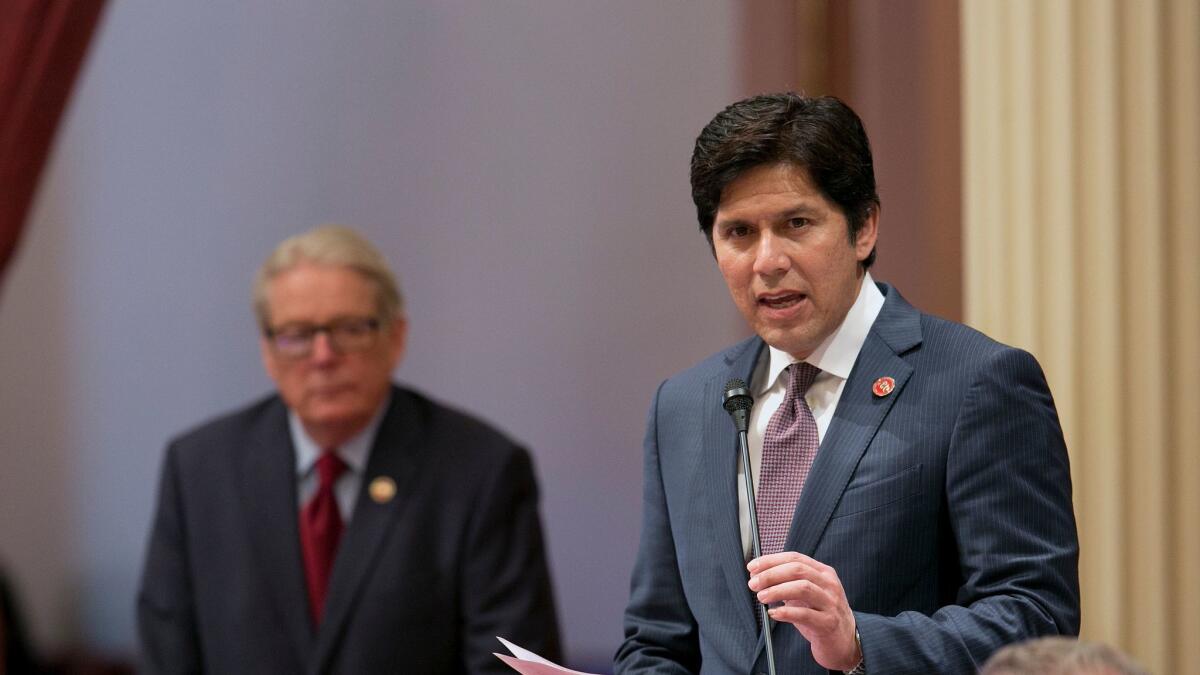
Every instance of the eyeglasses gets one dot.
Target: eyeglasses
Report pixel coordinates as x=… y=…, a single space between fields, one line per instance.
x=295 y=340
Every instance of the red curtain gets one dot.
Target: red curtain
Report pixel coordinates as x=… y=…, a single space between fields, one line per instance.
x=42 y=44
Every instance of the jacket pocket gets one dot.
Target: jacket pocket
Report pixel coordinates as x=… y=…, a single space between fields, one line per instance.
x=881 y=493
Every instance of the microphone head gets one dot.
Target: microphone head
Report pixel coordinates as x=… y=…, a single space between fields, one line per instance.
x=737 y=396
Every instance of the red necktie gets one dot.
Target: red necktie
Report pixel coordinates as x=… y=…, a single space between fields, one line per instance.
x=789 y=448
x=320 y=530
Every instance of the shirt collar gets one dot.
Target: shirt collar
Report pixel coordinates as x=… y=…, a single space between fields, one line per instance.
x=353 y=452
x=837 y=353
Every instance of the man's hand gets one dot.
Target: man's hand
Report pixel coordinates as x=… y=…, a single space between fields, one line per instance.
x=813 y=601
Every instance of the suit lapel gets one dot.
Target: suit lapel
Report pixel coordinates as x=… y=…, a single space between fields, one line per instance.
x=721 y=465
x=267 y=484
x=394 y=456
x=857 y=418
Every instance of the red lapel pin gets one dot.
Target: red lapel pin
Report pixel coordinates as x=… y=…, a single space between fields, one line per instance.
x=883 y=386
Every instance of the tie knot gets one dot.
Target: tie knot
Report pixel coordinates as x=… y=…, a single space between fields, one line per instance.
x=329 y=467
x=803 y=375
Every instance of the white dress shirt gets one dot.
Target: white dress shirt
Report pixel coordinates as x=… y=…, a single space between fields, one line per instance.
x=835 y=356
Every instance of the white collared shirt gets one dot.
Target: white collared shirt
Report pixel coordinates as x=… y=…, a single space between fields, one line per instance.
x=835 y=356
x=353 y=452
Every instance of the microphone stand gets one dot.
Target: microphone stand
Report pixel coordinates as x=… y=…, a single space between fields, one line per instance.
x=744 y=451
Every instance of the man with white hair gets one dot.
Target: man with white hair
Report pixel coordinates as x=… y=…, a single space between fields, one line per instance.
x=343 y=524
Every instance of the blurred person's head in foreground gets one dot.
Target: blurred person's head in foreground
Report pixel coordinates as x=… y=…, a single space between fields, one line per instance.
x=1060 y=656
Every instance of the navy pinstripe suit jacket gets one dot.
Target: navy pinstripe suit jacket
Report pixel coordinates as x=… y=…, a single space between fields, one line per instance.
x=944 y=507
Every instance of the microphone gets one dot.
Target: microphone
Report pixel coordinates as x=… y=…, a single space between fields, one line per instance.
x=737 y=402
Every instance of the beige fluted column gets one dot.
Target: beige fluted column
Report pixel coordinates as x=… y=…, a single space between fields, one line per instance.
x=1082 y=244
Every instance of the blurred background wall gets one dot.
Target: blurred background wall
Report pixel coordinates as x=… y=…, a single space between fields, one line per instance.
x=524 y=166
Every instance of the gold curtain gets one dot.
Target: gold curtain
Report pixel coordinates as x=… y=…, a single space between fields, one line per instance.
x=1081 y=234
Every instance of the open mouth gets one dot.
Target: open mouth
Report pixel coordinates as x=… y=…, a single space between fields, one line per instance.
x=782 y=301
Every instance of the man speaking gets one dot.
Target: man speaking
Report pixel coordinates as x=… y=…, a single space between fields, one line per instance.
x=913 y=493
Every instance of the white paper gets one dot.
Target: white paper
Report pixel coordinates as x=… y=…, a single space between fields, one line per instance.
x=527 y=663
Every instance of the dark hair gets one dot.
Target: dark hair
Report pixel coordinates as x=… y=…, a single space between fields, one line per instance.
x=820 y=135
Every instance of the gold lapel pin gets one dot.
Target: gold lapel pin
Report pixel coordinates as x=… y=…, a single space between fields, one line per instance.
x=883 y=386
x=382 y=489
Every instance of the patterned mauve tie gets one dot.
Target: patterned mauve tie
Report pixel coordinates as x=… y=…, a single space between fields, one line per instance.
x=320 y=531
x=789 y=447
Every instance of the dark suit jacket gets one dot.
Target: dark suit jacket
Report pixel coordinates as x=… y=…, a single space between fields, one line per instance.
x=421 y=584
x=944 y=507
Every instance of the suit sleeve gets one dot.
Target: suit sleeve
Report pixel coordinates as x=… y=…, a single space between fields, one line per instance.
x=1012 y=526
x=506 y=589
x=660 y=631
x=165 y=610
